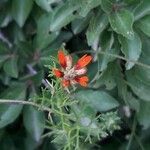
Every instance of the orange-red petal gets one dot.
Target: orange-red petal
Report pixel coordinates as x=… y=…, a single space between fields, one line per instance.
x=83 y=81
x=62 y=58
x=57 y=73
x=83 y=61
x=65 y=83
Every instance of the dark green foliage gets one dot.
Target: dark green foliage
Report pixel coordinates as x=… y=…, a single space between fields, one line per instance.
x=115 y=32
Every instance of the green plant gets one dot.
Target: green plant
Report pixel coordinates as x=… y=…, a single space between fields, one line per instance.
x=115 y=32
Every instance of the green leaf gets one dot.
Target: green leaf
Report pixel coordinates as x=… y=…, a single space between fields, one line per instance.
x=133 y=102
x=144 y=25
x=88 y=5
x=80 y=24
x=138 y=87
x=34 y=122
x=143 y=74
x=144 y=114
x=21 y=10
x=3 y=58
x=107 y=5
x=3 y=48
x=97 y=24
x=106 y=45
x=145 y=50
x=62 y=16
x=142 y=9
x=44 y=37
x=131 y=48
x=99 y=100
x=121 y=22
x=11 y=68
x=8 y=112
x=43 y=4
x=108 y=77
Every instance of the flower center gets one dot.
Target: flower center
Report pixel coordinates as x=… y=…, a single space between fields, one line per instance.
x=69 y=74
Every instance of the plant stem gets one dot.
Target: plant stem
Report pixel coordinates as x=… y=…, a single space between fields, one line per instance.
x=132 y=134
x=22 y=102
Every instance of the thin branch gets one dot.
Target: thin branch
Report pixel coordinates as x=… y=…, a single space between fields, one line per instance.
x=5 y=40
x=22 y=102
x=132 y=133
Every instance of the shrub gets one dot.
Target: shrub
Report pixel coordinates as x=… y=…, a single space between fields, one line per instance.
x=115 y=33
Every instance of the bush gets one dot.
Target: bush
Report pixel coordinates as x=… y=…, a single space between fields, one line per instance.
x=115 y=33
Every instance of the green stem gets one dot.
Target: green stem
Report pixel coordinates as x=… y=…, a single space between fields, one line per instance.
x=139 y=142
x=132 y=133
x=22 y=102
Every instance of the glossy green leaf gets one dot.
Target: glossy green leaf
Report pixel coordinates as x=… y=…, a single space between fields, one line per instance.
x=11 y=68
x=21 y=10
x=131 y=48
x=142 y=9
x=121 y=22
x=98 y=100
x=8 y=112
x=97 y=24
x=144 y=25
x=34 y=122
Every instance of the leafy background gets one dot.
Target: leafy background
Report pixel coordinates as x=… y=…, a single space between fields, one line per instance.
x=115 y=32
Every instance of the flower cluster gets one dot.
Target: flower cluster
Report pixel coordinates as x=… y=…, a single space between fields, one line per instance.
x=72 y=74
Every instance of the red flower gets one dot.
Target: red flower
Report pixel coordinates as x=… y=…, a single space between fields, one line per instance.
x=72 y=74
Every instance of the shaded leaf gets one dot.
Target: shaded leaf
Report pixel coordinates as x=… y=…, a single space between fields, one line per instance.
x=62 y=16
x=8 y=112
x=144 y=114
x=142 y=9
x=138 y=87
x=80 y=24
x=107 y=5
x=21 y=10
x=143 y=74
x=3 y=58
x=131 y=48
x=108 y=77
x=97 y=24
x=144 y=25
x=11 y=68
x=34 y=122
x=99 y=100
x=44 y=37
x=44 y=4
x=88 y=5
x=106 y=44
x=121 y=22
